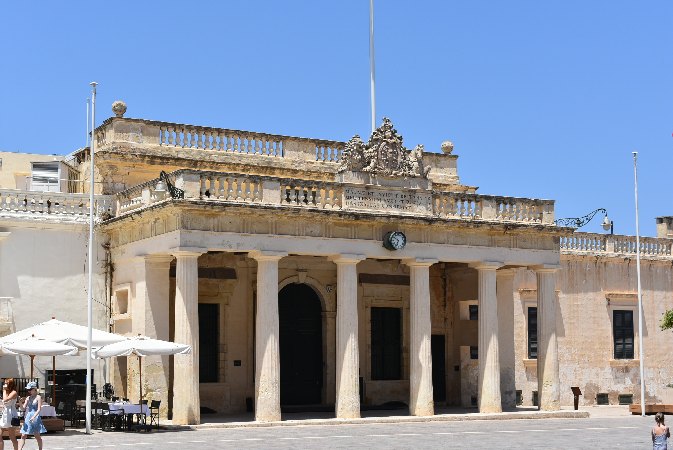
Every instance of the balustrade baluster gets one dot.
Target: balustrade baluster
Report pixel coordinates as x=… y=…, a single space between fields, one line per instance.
x=257 y=193
x=221 y=137
x=239 y=190
x=230 y=188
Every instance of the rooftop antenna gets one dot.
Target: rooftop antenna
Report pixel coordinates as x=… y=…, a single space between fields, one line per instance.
x=372 y=71
x=89 y=300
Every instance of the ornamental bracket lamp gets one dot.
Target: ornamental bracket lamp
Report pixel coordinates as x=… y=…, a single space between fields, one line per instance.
x=578 y=222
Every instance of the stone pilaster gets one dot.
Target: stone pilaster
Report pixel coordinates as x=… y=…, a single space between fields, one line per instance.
x=505 y=294
x=186 y=398
x=347 y=351
x=151 y=318
x=549 y=395
x=489 y=355
x=420 y=377
x=267 y=356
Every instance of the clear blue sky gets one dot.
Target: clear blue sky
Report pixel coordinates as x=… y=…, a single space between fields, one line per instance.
x=542 y=99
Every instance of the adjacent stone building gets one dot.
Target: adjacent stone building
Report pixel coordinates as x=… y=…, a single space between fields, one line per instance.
x=311 y=274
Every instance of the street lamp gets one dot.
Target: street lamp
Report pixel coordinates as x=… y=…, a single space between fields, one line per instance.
x=578 y=222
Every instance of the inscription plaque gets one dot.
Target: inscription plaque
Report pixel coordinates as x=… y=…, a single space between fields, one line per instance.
x=390 y=201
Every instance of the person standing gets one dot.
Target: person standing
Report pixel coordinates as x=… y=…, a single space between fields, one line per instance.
x=32 y=422
x=9 y=398
x=660 y=433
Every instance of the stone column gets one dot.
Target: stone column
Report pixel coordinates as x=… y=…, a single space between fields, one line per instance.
x=186 y=398
x=267 y=357
x=489 y=358
x=151 y=318
x=420 y=377
x=505 y=294
x=548 y=384
x=347 y=351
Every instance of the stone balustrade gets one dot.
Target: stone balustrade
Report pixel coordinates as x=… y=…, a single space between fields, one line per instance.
x=52 y=204
x=582 y=243
x=139 y=196
x=486 y=207
x=222 y=140
x=310 y=194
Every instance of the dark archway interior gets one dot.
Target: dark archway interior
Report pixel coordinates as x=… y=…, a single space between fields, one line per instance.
x=300 y=341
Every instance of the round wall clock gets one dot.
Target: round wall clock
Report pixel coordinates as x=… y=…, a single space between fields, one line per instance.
x=394 y=240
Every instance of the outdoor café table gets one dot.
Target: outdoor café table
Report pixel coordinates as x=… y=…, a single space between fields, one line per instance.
x=129 y=409
x=47 y=411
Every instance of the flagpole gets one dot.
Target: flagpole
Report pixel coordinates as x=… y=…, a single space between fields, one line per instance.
x=640 y=294
x=90 y=262
x=372 y=71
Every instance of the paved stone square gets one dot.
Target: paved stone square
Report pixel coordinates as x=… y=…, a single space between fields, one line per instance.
x=628 y=432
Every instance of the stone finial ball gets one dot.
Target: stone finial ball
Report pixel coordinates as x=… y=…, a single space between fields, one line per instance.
x=119 y=108
x=447 y=147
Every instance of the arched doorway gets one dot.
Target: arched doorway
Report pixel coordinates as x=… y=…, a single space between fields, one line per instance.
x=300 y=342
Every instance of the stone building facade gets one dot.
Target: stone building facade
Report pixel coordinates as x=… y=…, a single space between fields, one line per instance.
x=319 y=274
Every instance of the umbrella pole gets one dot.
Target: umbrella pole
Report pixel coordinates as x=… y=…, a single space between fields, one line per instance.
x=32 y=358
x=140 y=371
x=53 y=381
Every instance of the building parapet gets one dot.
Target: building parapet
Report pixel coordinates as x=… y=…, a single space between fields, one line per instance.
x=52 y=205
x=166 y=134
x=321 y=195
x=615 y=245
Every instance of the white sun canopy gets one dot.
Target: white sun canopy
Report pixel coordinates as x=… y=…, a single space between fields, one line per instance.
x=63 y=333
x=142 y=346
x=37 y=347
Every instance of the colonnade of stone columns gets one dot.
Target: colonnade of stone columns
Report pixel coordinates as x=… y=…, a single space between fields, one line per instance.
x=186 y=406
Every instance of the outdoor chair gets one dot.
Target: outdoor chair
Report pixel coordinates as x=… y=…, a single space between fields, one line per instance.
x=154 y=412
x=106 y=417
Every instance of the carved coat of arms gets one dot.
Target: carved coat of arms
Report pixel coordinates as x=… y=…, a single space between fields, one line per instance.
x=384 y=154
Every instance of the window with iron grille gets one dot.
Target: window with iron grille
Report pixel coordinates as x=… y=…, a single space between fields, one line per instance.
x=474 y=312
x=532 y=332
x=622 y=332
x=386 y=343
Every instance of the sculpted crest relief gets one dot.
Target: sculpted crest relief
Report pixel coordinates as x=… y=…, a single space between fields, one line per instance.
x=384 y=154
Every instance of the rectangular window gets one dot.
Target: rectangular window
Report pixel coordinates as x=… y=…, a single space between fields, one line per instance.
x=386 y=343
x=209 y=342
x=474 y=352
x=532 y=332
x=474 y=312
x=622 y=332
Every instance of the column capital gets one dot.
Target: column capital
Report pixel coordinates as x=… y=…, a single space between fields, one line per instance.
x=506 y=273
x=546 y=268
x=486 y=265
x=267 y=255
x=347 y=258
x=427 y=262
x=155 y=258
x=187 y=251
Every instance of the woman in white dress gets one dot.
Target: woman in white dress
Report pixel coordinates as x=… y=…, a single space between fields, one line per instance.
x=9 y=398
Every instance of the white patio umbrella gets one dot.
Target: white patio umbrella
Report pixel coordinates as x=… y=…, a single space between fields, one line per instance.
x=64 y=333
x=33 y=347
x=60 y=332
x=142 y=346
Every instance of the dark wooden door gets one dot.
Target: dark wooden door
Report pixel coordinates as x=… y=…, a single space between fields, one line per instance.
x=300 y=342
x=438 y=367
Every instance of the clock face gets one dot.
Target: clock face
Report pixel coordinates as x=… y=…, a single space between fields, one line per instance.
x=394 y=240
